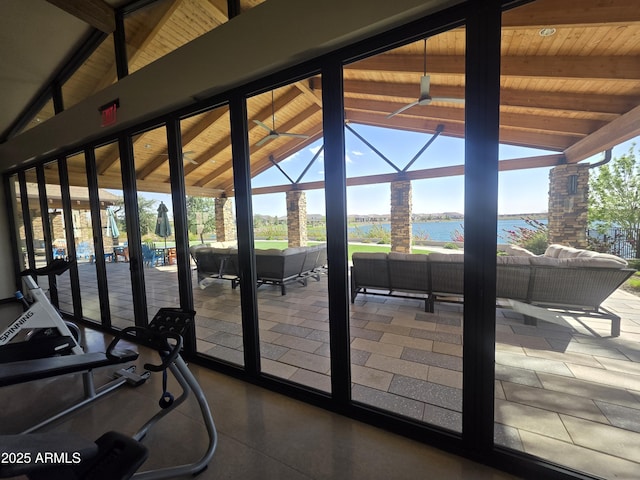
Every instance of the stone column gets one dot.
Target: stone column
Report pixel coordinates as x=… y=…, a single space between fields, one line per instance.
x=568 y=205
x=225 y=223
x=297 y=218
x=401 y=216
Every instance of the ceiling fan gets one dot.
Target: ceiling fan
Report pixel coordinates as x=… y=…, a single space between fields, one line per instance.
x=425 y=98
x=185 y=156
x=273 y=133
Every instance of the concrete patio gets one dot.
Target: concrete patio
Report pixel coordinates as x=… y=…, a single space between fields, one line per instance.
x=564 y=392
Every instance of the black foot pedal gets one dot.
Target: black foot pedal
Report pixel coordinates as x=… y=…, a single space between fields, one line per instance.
x=131 y=376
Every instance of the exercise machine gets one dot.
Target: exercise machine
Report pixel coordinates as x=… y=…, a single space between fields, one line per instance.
x=46 y=333
x=49 y=346
x=115 y=456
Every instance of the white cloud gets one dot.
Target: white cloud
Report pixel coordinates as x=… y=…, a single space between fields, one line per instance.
x=357 y=153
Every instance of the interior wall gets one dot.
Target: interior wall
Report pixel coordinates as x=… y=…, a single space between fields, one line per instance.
x=272 y=36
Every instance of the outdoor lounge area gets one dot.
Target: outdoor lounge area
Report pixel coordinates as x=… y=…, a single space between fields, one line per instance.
x=555 y=382
x=563 y=278
x=264 y=127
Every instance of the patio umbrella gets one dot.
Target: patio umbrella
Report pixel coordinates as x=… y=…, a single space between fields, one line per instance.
x=163 y=229
x=112 y=226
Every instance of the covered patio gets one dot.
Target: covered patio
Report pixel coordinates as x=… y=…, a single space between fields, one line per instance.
x=562 y=392
x=569 y=87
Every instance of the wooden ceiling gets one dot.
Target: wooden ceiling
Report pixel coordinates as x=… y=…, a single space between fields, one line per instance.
x=574 y=93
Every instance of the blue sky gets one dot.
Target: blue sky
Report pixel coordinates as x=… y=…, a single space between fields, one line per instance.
x=522 y=191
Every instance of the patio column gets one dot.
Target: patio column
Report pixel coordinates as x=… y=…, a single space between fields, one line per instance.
x=568 y=204
x=297 y=218
x=225 y=223
x=401 y=216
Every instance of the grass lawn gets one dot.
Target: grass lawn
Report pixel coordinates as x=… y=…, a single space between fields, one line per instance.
x=353 y=247
x=633 y=284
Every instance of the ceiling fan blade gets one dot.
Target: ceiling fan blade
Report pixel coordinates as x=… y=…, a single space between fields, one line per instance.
x=269 y=137
x=296 y=135
x=258 y=122
x=406 y=107
x=448 y=100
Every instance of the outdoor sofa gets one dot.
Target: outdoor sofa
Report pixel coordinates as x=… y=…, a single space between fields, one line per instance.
x=273 y=266
x=562 y=278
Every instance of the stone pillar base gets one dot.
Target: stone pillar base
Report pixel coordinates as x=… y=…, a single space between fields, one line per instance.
x=297 y=218
x=225 y=223
x=568 y=205
x=401 y=205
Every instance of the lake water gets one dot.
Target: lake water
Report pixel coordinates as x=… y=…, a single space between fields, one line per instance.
x=443 y=231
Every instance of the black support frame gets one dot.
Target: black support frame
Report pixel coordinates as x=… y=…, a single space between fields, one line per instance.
x=482 y=93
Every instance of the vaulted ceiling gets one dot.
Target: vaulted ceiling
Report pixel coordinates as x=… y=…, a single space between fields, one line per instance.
x=570 y=84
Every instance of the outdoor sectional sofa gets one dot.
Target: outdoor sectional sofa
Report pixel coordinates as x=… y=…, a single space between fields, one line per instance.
x=273 y=266
x=562 y=278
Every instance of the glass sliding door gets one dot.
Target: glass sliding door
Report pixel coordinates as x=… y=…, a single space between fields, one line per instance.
x=156 y=225
x=404 y=136
x=211 y=222
x=287 y=170
x=566 y=377
x=57 y=234
x=83 y=238
x=114 y=235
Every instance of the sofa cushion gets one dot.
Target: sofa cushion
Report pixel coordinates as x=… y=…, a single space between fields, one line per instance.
x=268 y=251
x=600 y=261
x=569 y=252
x=513 y=260
x=370 y=255
x=294 y=250
x=516 y=250
x=412 y=257
x=609 y=261
x=553 y=250
x=446 y=257
x=545 y=261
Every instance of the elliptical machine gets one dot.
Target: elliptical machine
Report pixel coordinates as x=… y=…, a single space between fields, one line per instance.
x=115 y=456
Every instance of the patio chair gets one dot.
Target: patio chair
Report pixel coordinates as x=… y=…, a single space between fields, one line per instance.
x=149 y=257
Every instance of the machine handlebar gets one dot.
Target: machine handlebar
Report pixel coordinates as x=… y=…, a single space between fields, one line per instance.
x=158 y=340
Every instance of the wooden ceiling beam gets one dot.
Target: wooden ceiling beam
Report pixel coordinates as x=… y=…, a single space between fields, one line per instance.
x=304 y=86
x=533 y=121
x=207 y=120
x=571 y=13
x=263 y=115
x=591 y=67
x=511 y=136
x=217 y=10
x=262 y=163
x=96 y=13
x=114 y=155
x=255 y=151
x=566 y=101
x=620 y=130
x=141 y=40
x=437 y=172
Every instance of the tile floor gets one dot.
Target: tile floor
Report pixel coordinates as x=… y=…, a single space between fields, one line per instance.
x=564 y=392
x=262 y=435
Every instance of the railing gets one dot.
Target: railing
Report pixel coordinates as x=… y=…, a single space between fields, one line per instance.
x=617 y=241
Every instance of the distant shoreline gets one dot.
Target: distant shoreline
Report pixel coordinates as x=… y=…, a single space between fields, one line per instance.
x=370 y=219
